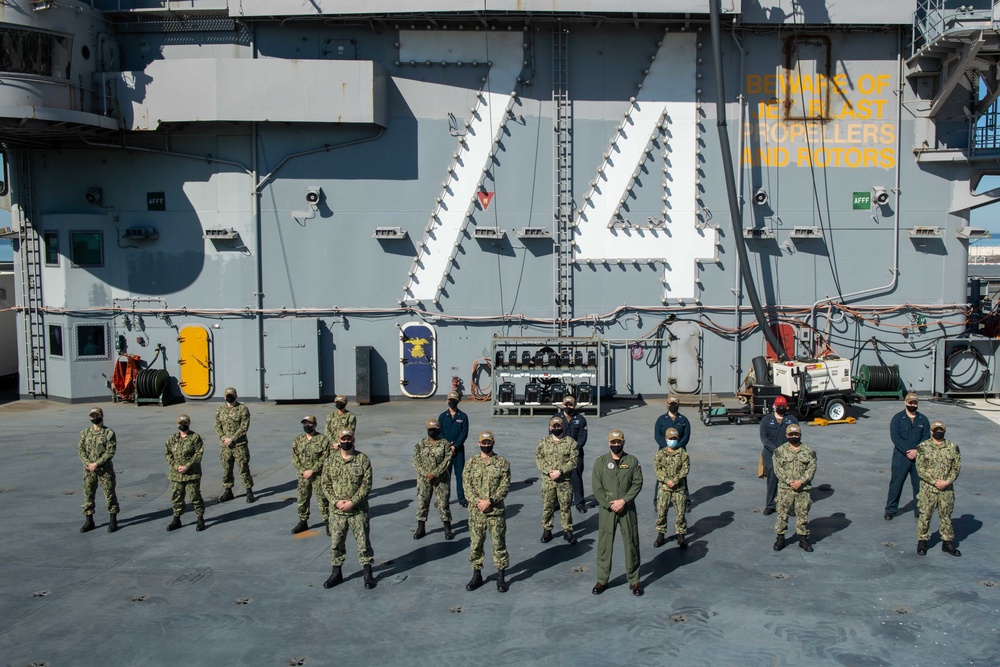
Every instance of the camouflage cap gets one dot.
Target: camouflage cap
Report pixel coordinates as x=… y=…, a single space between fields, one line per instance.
x=340 y=398
x=793 y=429
x=433 y=423
x=556 y=421
x=96 y=411
x=230 y=391
x=616 y=435
x=938 y=424
x=486 y=436
x=672 y=433
x=183 y=419
x=672 y=398
x=569 y=402
x=910 y=397
x=454 y=396
x=308 y=419
x=345 y=433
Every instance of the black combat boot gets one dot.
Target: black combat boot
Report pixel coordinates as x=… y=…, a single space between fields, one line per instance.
x=226 y=495
x=546 y=536
x=300 y=527
x=448 y=535
x=419 y=532
x=250 y=496
x=369 y=578
x=921 y=547
x=682 y=541
x=201 y=523
x=476 y=581
x=779 y=543
x=501 y=583
x=176 y=523
x=88 y=525
x=804 y=543
x=335 y=578
x=568 y=537
x=949 y=548
x=660 y=540
x=113 y=523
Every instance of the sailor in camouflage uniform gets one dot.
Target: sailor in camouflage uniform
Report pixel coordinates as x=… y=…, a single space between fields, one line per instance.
x=557 y=456
x=432 y=461
x=184 y=451
x=794 y=466
x=671 y=465
x=346 y=482
x=232 y=421
x=97 y=448
x=309 y=451
x=486 y=479
x=938 y=463
x=340 y=419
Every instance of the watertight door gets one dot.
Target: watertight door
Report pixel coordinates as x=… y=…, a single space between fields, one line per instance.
x=417 y=360
x=195 y=361
x=291 y=356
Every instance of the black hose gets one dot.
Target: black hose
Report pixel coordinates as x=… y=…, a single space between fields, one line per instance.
x=976 y=386
x=734 y=206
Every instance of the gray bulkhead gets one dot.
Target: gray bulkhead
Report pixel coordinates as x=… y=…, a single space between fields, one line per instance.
x=398 y=158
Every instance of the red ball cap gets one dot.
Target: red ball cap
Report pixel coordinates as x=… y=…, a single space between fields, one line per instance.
x=781 y=400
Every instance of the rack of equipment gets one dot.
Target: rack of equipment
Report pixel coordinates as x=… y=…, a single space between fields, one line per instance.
x=535 y=374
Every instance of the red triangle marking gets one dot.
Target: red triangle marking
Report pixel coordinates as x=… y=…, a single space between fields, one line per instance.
x=485 y=198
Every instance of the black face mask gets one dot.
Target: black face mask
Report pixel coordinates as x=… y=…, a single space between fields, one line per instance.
x=96 y=420
x=794 y=440
x=568 y=410
x=308 y=428
x=673 y=407
x=938 y=434
x=780 y=411
x=556 y=431
x=486 y=449
x=912 y=408
x=617 y=449
x=183 y=428
x=230 y=399
x=347 y=446
x=433 y=433
x=340 y=406
x=453 y=405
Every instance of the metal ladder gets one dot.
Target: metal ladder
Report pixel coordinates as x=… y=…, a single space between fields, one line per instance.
x=30 y=255
x=562 y=147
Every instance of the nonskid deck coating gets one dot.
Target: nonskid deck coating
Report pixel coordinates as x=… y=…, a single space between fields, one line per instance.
x=246 y=591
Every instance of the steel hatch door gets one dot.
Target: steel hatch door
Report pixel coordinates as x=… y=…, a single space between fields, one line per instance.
x=195 y=361
x=291 y=359
x=417 y=360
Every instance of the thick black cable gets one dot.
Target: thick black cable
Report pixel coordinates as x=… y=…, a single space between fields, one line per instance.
x=734 y=206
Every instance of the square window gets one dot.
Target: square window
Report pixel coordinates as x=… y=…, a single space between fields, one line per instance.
x=87 y=248
x=52 y=248
x=55 y=340
x=92 y=341
x=808 y=79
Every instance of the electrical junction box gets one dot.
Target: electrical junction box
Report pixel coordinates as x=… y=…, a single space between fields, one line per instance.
x=820 y=377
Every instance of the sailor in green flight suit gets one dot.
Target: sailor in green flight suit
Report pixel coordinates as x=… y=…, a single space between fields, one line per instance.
x=616 y=481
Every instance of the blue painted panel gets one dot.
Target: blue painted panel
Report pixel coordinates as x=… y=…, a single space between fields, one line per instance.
x=418 y=369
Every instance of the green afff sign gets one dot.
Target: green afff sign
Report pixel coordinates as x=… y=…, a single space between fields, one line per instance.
x=862 y=201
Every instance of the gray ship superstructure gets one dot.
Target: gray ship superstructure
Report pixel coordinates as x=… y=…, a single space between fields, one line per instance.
x=368 y=198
